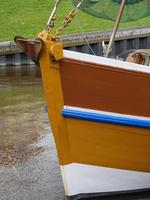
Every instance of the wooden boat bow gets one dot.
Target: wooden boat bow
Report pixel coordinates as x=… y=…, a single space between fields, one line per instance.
x=34 y=47
x=31 y=47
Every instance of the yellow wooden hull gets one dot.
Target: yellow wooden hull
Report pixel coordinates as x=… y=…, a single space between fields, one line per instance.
x=109 y=145
x=101 y=128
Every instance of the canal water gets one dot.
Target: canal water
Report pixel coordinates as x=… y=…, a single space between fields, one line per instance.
x=29 y=167
x=28 y=162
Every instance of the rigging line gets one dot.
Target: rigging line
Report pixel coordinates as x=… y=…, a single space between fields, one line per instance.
x=89 y=46
x=69 y=18
x=61 y=16
x=85 y=38
x=50 y=22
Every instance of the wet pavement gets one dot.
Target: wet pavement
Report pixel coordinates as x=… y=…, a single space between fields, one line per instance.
x=29 y=167
x=28 y=162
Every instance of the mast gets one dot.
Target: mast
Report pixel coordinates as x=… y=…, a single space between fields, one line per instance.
x=108 y=49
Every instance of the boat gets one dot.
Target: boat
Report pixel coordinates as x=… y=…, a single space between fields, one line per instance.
x=99 y=111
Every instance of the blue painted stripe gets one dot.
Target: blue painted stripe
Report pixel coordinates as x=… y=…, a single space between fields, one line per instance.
x=98 y=117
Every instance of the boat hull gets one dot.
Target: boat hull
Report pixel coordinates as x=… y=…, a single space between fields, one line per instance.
x=86 y=181
x=105 y=84
x=103 y=143
x=108 y=145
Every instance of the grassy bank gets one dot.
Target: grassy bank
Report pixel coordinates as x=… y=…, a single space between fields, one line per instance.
x=28 y=17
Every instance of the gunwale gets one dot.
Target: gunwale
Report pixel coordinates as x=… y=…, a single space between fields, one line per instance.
x=94 y=84
x=108 y=62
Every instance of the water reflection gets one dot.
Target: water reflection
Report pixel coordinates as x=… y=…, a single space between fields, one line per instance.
x=21 y=118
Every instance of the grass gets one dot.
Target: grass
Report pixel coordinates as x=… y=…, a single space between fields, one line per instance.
x=28 y=17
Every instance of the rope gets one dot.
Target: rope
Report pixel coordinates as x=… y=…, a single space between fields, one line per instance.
x=68 y=18
x=85 y=37
x=66 y=22
x=52 y=18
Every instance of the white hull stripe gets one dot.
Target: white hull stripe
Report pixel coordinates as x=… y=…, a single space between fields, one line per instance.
x=82 y=179
x=106 y=117
x=82 y=57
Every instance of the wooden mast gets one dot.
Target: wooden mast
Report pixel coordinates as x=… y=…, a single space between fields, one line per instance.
x=108 y=50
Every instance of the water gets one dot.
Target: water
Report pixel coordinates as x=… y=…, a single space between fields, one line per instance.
x=29 y=167
x=28 y=162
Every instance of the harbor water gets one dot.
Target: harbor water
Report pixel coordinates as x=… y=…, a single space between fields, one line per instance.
x=29 y=168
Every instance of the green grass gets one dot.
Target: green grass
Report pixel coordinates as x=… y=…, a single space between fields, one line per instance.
x=28 y=17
